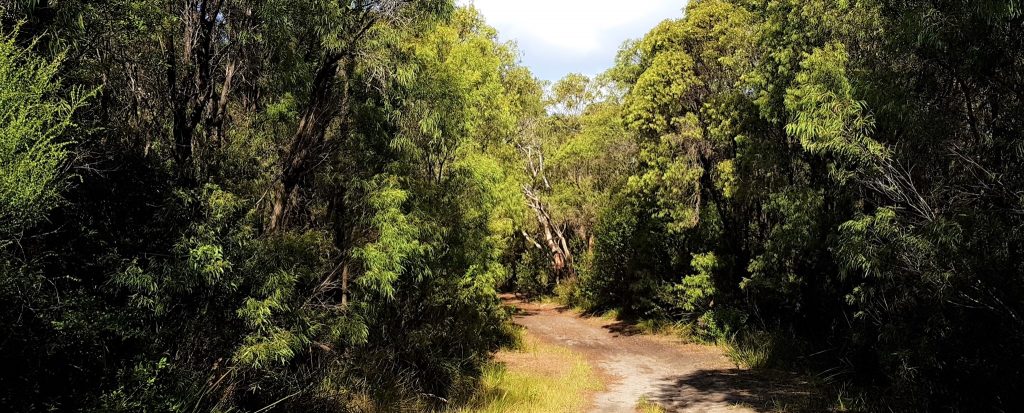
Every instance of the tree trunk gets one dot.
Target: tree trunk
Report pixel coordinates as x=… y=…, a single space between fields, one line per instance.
x=298 y=159
x=554 y=239
x=190 y=81
x=344 y=285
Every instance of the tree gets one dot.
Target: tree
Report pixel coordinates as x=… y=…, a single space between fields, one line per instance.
x=342 y=34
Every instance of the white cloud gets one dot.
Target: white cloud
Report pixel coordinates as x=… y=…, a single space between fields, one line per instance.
x=571 y=26
x=553 y=34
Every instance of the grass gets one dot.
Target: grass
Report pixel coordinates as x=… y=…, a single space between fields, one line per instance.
x=646 y=406
x=612 y=314
x=752 y=351
x=682 y=331
x=540 y=378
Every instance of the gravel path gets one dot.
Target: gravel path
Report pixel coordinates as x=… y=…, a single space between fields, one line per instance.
x=677 y=376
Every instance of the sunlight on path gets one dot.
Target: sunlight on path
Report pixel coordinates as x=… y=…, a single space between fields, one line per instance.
x=655 y=370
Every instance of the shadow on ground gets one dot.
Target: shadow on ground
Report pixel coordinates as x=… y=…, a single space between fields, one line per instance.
x=763 y=391
x=623 y=328
x=524 y=313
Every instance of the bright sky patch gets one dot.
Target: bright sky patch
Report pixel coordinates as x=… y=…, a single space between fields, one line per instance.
x=557 y=37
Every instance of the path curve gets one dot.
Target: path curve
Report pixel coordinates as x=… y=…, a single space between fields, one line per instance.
x=677 y=376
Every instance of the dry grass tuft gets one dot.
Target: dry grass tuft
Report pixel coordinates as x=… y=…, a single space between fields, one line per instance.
x=541 y=378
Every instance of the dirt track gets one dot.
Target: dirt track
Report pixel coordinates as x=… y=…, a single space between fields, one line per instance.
x=677 y=376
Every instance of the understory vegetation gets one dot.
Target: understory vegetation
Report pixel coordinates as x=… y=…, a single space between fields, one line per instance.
x=533 y=377
x=311 y=205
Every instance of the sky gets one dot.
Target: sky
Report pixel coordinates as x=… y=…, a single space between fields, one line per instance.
x=557 y=37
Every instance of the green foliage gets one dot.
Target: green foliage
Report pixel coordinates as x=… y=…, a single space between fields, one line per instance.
x=167 y=290
x=827 y=118
x=34 y=115
x=396 y=238
x=695 y=292
x=672 y=176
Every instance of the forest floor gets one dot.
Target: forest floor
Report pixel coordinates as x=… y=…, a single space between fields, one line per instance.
x=653 y=373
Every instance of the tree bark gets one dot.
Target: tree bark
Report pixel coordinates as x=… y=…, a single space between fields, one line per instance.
x=190 y=81
x=554 y=239
x=299 y=157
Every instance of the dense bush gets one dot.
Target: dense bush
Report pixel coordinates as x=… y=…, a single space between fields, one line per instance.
x=265 y=204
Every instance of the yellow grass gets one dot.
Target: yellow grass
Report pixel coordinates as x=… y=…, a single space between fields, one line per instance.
x=645 y=406
x=541 y=378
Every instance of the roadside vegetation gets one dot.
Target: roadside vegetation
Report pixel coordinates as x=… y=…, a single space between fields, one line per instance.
x=534 y=378
x=645 y=406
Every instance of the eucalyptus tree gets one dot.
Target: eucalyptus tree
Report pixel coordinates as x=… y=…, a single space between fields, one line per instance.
x=575 y=158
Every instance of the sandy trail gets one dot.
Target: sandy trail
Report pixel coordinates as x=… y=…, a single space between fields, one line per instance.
x=677 y=376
